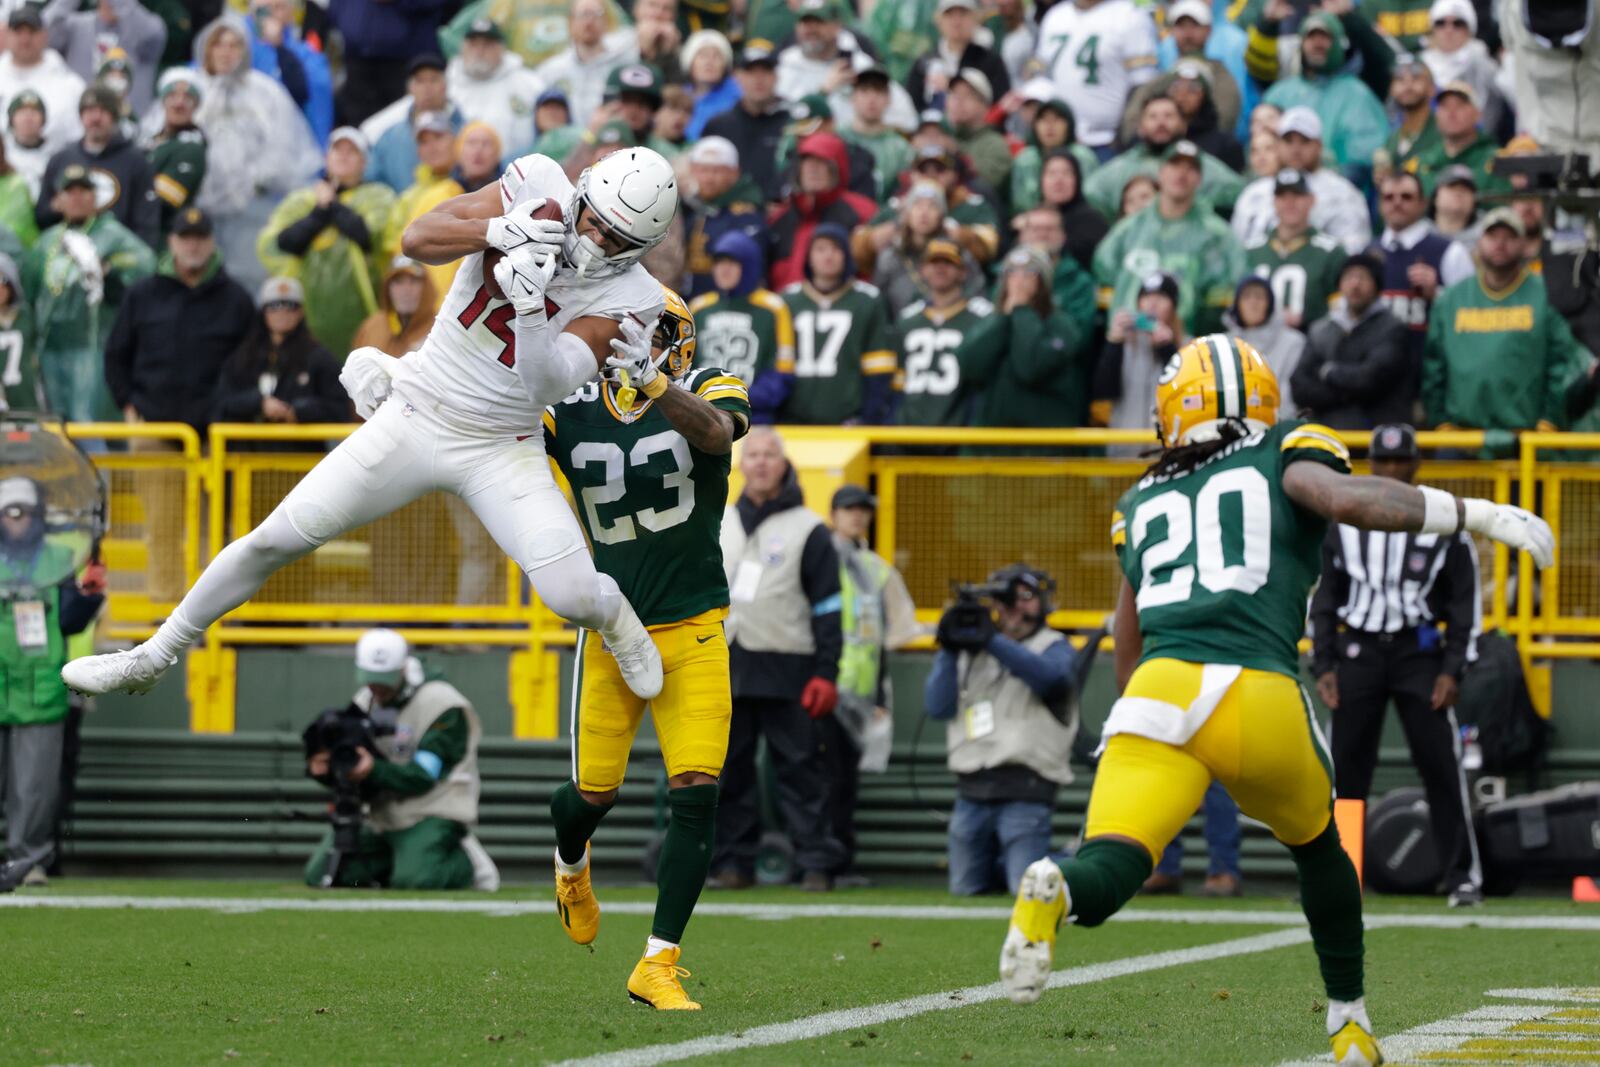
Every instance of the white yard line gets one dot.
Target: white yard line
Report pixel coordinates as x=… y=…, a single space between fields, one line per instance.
x=833 y=1022
x=777 y=912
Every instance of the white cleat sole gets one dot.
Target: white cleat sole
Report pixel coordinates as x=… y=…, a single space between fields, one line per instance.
x=113 y=672
x=1025 y=965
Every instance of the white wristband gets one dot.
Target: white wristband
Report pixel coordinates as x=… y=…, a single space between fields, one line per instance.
x=1480 y=515
x=1439 y=514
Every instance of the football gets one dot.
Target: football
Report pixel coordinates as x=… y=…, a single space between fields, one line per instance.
x=550 y=209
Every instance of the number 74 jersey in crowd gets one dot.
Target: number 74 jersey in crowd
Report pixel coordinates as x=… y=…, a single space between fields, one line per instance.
x=467 y=365
x=650 y=503
x=1220 y=559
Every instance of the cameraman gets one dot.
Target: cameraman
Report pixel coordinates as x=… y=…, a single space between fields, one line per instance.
x=1005 y=683
x=419 y=778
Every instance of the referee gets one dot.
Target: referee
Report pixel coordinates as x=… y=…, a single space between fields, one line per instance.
x=1376 y=620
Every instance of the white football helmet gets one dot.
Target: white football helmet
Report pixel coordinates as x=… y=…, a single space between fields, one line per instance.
x=634 y=196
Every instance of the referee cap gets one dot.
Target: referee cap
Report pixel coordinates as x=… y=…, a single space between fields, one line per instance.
x=1393 y=440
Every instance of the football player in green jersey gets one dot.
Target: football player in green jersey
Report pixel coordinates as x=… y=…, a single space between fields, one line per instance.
x=21 y=384
x=647 y=451
x=1218 y=545
x=929 y=379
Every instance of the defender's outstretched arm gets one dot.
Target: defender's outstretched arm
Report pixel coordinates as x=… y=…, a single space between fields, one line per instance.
x=1384 y=504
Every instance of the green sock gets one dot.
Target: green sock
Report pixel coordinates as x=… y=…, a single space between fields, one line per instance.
x=575 y=820
x=685 y=858
x=1104 y=876
x=1330 y=895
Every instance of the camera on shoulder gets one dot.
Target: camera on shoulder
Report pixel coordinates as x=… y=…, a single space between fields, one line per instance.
x=967 y=625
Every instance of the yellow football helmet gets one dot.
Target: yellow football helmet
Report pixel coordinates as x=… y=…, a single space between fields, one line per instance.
x=675 y=339
x=1209 y=382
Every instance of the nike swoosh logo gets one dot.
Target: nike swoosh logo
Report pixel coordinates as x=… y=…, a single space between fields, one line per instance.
x=703 y=640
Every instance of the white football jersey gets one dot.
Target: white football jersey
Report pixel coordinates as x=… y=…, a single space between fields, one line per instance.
x=1097 y=57
x=467 y=365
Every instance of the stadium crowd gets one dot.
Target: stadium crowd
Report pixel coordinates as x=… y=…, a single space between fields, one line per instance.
x=921 y=212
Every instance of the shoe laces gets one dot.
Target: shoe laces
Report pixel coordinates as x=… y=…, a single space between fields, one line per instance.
x=665 y=971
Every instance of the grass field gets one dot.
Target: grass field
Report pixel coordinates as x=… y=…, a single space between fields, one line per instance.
x=144 y=972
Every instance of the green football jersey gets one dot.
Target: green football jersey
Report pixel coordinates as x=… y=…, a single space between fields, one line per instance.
x=650 y=502
x=1220 y=559
x=929 y=379
x=1303 y=274
x=745 y=335
x=837 y=341
x=21 y=382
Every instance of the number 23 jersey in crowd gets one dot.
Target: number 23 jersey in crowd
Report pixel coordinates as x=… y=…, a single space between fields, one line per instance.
x=1221 y=561
x=650 y=502
x=467 y=365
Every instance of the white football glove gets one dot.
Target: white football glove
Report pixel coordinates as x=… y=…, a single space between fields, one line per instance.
x=523 y=275
x=366 y=377
x=518 y=229
x=1513 y=526
x=632 y=358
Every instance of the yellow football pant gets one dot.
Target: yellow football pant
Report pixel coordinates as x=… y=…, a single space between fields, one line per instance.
x=692 y=712
x=1261 y=743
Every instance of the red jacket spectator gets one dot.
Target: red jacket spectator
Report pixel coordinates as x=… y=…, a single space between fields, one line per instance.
x=822 y=195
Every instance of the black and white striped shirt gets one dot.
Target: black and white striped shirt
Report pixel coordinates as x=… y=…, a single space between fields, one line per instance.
x=1383 y=583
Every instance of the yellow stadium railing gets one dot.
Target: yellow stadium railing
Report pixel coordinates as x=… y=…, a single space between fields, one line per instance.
x=953 y=505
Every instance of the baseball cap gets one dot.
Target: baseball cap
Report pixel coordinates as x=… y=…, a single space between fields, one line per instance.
x=758 y=50
x=853 y=496
x=715 y=151
x=948 y=5
x=1322 y=22
x=192 y=222
x=26 y=98
x=1301 y=120
x=280 y=291
x=817 y=9
x=101 y=97
x=352 y=135
x=381 y=658
x=484 y=28
x=1454 y=9
x=929 y=153
x=1458 y=174
x=934 y=117
x=1186 y=151
x=1290 y=180
x=1199 y=10
x=1408 y=62
x=810 y=109
x=407 y=265
x=1504 y=216
x=1028 y=258
x=942 y=250
x=1160 y=282
x=1459 y=88
x=1393 y=440
x=641 y=78
x=432 y=122
x=74 y=174
x=1039 y=90
x=26 y=15
x=426 y=61
x=1191 y=69
x=552 y=95
x=24 y=493
x=616 y=132
x=977 y=81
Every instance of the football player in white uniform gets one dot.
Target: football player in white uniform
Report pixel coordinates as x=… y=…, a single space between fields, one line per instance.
x=1097 y=52
x=462 y=414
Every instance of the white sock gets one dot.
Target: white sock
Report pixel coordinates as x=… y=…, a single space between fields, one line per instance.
x=1343 y=1011
x=655 y=946
x=173 y=636
x=570 y=869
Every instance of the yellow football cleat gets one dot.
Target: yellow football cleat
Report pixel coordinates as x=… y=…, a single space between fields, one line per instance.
x=1028 y=954
x=576 y=904
x=658 y=981
x=1353 y=1046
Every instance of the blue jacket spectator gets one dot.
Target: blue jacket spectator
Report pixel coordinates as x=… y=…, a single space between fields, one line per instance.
x=278 y=51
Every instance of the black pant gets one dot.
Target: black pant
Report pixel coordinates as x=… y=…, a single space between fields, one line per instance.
x=1392 y=666
x=71 y=753
x=841 y=759
x=369 y=86
x=801 y=787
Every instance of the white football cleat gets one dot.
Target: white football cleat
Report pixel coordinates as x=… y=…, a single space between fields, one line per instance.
x=1028 y=955
x=130 y=671
x=485 y=875
x=637 y=656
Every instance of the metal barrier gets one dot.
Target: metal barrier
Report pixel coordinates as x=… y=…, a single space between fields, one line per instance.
x=953 y=505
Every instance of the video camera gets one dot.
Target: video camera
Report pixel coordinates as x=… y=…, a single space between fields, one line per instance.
x=342 y=733
x=967 y=625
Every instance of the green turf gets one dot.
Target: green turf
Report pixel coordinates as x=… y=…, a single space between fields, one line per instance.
x=123 y=986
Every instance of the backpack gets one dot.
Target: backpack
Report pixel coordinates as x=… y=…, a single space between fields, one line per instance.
x=1494 y=698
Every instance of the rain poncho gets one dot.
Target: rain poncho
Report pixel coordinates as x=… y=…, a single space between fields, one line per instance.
x=340 y=277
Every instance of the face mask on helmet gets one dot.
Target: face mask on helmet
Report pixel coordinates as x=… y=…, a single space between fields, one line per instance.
x=675 y=337
x=631 y=197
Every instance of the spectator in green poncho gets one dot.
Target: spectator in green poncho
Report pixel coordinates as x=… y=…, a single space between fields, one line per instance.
x=1052 y=126
x=328 y=236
